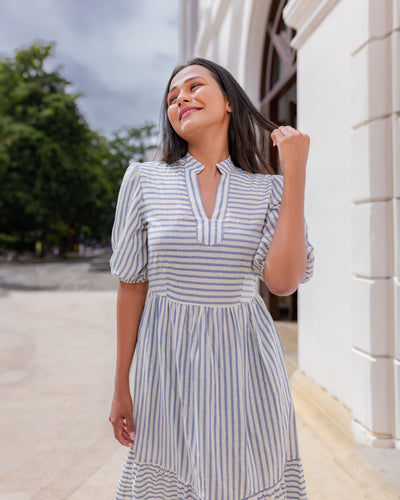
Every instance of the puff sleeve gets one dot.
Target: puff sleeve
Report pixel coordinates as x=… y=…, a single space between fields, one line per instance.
x=269 y=228
x=129 y=234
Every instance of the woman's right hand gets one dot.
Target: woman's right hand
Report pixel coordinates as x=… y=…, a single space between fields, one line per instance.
x=121 y=416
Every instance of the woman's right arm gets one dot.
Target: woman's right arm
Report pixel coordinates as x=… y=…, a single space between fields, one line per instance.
x=130 y=304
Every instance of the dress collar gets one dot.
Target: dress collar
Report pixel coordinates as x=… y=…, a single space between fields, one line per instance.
x=191 y=163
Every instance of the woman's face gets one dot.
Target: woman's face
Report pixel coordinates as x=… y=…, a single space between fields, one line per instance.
x=196 y=103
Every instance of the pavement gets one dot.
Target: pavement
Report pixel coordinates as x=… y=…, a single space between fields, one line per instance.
x=57 y=354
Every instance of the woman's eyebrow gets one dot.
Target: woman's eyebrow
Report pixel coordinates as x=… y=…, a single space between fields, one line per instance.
x=187 y=80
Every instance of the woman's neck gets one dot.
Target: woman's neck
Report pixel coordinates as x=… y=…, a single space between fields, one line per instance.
x=209 y=157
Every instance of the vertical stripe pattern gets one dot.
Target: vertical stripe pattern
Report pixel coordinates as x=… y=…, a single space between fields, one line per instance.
x=212 y=408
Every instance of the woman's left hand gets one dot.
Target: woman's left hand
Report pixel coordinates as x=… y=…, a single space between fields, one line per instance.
x=293 y=147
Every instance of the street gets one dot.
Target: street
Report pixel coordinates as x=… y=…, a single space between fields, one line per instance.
x=57 y=355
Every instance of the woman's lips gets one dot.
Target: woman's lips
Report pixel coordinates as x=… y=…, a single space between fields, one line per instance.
x=187 y=111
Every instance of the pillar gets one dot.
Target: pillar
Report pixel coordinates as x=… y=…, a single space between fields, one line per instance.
x=375 y=222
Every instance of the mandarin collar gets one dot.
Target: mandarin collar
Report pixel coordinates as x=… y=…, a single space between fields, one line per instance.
x=191 y=163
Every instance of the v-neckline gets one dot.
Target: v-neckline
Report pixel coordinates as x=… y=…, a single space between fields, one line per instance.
x=202 y=199
x=209 y=229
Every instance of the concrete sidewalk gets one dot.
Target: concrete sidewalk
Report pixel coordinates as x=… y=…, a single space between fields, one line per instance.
x=57 y=354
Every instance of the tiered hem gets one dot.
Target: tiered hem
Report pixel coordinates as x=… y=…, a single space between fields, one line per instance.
x=147 y=481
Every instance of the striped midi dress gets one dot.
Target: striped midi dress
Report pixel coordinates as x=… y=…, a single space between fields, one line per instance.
x=212 y=408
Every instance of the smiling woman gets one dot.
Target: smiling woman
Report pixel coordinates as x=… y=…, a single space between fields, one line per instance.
x=194 y=89
x=245 y=142
x=210 y=415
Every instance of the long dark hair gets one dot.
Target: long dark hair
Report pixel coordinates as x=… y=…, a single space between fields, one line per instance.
x=246 y=134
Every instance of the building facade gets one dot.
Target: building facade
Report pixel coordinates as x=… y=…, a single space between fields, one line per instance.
x=332 y=67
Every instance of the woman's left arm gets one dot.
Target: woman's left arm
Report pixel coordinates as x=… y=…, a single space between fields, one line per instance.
x=286 y=259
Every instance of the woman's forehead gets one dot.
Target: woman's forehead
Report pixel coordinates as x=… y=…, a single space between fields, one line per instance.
x=190 y=72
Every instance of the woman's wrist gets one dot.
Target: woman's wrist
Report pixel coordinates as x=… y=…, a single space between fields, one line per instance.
x=121 y=384
x=294 y=189
x=293 y=174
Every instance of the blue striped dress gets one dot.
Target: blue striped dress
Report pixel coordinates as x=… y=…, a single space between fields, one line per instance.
x=212 y=408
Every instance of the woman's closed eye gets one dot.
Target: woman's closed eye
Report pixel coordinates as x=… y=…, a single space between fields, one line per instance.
x=193 y=86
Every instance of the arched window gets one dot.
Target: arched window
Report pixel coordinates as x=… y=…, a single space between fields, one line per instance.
x=278 y=102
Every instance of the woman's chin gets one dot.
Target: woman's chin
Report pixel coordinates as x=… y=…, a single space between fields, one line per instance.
x=194 y=126
x=189 y=129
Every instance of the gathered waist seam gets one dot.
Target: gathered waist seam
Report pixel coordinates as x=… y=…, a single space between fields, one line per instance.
x=200 y=304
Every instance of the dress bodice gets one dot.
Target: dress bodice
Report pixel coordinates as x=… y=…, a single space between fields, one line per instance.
x=162 y=233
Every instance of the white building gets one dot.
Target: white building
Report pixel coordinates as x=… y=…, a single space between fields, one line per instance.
x=347 y=86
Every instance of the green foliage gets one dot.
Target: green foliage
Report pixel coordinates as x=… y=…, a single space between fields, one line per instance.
x=57 y=176
x=127 y=145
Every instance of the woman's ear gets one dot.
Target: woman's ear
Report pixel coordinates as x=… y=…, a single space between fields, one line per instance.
x=227 y=105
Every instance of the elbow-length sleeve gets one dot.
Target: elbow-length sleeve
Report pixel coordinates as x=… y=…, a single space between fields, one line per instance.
x=269 y=229
x=129 y=234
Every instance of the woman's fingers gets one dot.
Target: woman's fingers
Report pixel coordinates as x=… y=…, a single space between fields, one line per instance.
x=276 y=136
x=121 y=434
x=293 y=148
x=121 y=417
x=128 y=429
x=290 y=130
x=129 y=425
x=282 y=132
x=126 y=437
x=287 y=130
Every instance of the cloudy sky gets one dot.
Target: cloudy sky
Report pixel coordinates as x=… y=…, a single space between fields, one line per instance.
x=118 y=53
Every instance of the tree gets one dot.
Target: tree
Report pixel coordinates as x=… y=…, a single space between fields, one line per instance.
x=44 y=176
x=57 y=176
x=127 y=145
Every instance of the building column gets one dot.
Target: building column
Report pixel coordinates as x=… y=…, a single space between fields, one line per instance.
x=375 y=87
x=395 y=58
x=188 y=21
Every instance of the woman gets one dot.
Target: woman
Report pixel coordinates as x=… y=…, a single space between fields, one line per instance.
x=212 y=416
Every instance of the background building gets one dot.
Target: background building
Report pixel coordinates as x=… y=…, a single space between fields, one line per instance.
x=332 y=68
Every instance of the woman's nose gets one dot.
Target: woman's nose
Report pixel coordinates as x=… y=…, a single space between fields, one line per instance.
x=182 y=97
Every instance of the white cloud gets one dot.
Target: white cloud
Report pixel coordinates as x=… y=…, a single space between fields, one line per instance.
x=119 y=54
